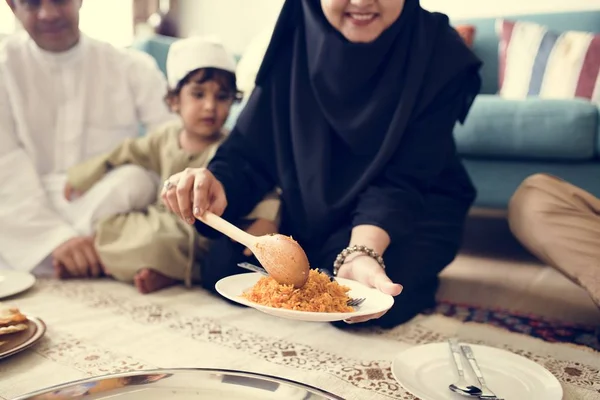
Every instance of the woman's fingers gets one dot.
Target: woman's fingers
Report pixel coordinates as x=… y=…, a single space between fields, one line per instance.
x=365 y=318
x=169 y=193
x=201 y=192
x=168 y=185
x=218 y=198
x=366 y=270
x=385 y=285
x=192 y=192
x=184 y=197
x=173 y=204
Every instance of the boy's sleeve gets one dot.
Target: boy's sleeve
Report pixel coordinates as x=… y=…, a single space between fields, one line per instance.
x=269 y=208
x=142 y=151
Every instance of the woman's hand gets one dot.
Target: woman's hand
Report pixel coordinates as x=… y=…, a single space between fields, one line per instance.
x=366 y=270
x=192 y=192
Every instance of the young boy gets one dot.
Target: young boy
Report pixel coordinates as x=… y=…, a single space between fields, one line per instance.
x=153 y=248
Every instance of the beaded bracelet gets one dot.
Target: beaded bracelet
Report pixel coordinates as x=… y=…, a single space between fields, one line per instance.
x=339 y=261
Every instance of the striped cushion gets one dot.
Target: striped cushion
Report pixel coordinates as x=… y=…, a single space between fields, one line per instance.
x=535 y=61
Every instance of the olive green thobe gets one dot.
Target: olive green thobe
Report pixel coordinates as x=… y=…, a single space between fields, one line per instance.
x=154 y=238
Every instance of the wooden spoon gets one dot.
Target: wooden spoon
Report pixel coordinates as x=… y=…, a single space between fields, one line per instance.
x=281 y=256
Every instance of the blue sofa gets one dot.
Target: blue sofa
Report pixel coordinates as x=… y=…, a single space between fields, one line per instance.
x=504 y=141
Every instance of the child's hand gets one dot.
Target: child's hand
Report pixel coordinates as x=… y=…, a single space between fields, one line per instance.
x=260 y=227
x=70 y=193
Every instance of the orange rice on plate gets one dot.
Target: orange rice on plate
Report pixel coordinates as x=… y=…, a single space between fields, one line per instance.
x=319 y=294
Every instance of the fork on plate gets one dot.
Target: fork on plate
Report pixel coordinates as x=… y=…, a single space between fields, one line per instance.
x=356 y=302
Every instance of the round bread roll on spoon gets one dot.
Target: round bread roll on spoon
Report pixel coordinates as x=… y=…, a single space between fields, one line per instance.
x=281 y=256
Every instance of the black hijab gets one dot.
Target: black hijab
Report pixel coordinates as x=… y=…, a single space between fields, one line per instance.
x=333 y=112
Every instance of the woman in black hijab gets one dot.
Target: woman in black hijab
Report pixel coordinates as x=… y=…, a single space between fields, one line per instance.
x=352 y=118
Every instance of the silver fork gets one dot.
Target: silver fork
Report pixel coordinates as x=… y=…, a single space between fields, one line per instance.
x=352 y=302
x=356 y=302
x=252 y=267
x=486 y=393
x=461 y=386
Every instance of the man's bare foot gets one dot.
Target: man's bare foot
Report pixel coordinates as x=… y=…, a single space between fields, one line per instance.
x=148 y=281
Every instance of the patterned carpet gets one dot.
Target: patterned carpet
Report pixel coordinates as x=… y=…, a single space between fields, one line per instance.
x=531 y=325
x=103 y=327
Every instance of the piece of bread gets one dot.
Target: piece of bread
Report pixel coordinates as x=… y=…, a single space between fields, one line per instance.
x=11 y=316
x=7 y=330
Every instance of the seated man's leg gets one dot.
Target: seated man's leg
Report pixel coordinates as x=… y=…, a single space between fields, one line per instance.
x=127 y=188
x=560 y=224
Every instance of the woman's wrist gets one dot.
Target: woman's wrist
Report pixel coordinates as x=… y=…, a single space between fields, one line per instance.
x=370 y=236
x=351 y=253
x=366 y=241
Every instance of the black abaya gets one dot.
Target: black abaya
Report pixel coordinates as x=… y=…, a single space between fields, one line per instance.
x=357 y=134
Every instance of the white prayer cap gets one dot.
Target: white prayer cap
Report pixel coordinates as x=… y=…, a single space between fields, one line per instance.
x=189 y=54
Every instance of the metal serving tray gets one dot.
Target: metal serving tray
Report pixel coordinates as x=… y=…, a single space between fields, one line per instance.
x=183 y=384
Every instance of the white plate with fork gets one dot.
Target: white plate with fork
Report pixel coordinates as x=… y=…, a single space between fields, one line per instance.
x=426 y=371
x=374 y=302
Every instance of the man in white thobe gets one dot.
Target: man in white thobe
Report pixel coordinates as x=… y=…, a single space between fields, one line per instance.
x=65 y=97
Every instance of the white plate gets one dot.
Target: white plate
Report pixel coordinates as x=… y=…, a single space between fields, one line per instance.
x=233 y=286
x=14 y=282
x=426 y=371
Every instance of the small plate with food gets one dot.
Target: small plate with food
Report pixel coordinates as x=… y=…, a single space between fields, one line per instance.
x=321 y=299
x=18 y=331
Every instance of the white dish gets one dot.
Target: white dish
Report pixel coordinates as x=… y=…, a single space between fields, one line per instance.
x=375 y=302
x=14 y=282
x=427 y=370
